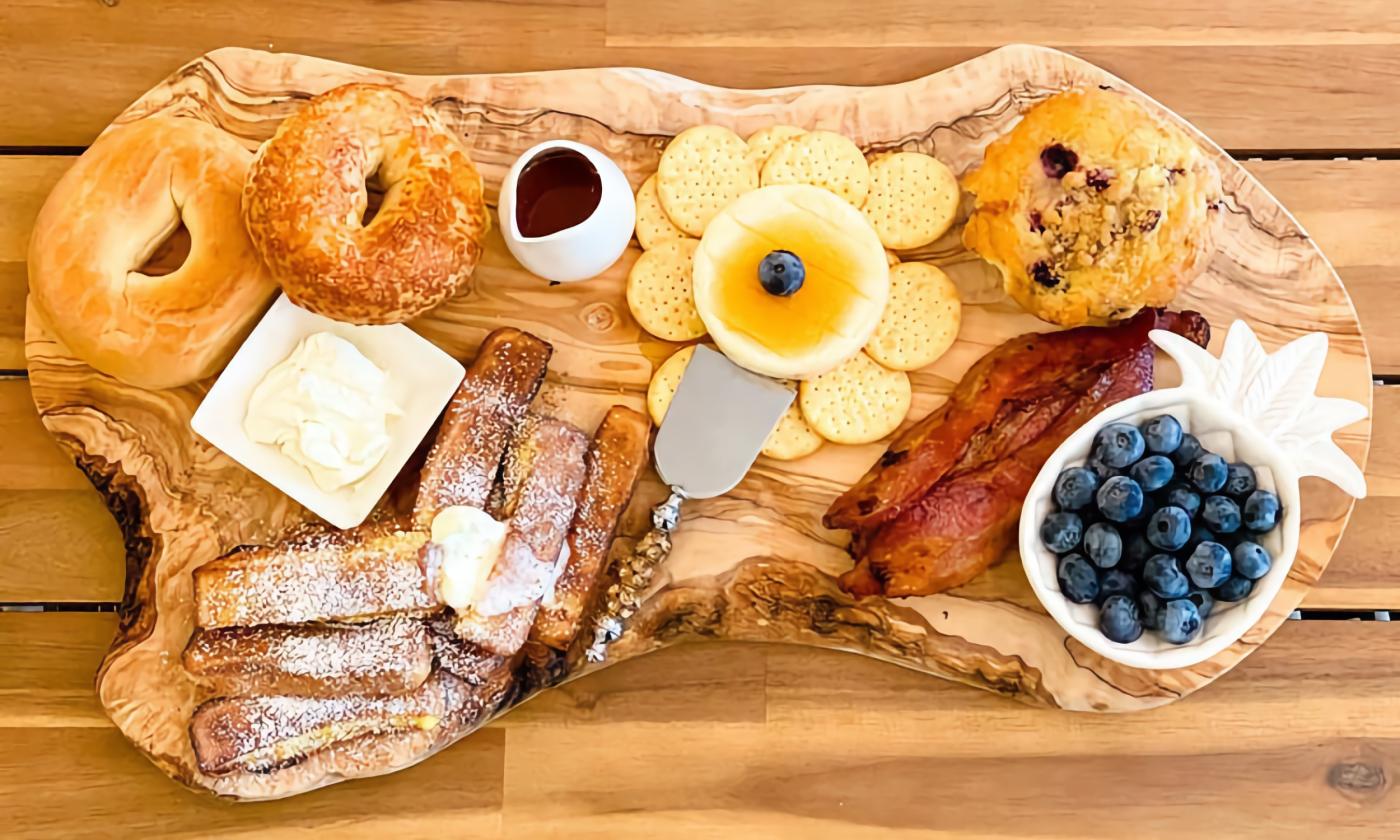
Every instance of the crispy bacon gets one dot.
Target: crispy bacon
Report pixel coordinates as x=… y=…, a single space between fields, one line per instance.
x=941 y=504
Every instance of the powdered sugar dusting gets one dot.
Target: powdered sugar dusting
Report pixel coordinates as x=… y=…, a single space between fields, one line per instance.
x=264 y=732
x=317 y=575
x=389 y=656
x=488 y=407
x=618 y=455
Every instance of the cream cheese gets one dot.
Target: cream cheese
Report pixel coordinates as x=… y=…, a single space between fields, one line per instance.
x=326 y=407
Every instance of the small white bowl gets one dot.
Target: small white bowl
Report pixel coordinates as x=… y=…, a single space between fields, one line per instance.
x=589 y=247
x=421 y=377
x=1221 y=431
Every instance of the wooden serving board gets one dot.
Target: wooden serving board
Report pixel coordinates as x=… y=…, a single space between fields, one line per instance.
x=755 y=564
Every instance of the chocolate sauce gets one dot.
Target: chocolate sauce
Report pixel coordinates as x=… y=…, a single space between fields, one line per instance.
x=556 y=190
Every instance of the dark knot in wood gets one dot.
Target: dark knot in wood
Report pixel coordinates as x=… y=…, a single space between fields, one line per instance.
x=1358 y=781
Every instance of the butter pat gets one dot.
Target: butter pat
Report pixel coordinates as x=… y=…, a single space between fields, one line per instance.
x=327 y=408
x=470 y=542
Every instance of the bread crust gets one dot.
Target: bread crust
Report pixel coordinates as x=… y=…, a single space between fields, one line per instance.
x=306 y=197
x=128 y=193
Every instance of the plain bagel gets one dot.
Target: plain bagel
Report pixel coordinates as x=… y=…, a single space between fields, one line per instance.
x=128 y=193
x=306 y=196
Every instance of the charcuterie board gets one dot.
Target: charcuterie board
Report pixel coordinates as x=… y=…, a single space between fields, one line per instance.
x=752 y=565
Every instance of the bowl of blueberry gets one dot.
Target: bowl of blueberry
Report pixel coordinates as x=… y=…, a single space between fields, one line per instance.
x=1160 y=532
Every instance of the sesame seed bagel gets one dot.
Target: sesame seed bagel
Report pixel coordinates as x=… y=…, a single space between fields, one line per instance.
x=306 y=196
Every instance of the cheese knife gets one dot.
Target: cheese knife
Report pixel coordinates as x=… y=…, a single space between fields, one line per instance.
x=713 y=431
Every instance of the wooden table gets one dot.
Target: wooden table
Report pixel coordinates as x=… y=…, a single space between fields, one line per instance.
x=746 y=741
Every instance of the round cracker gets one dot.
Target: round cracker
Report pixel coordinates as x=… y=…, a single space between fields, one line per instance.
x=858 y=402
x=762 y=142
x=913 y=199
x=665 y=382
x=921 y=321
x=660 y=292
x=793 y=437
x=824 y=159
x=653 y=225
x=703 y=169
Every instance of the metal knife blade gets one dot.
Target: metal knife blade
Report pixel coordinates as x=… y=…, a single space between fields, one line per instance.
x=717 y=423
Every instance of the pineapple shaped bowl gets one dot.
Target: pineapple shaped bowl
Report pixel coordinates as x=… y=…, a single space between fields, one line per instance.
x=1247 y=406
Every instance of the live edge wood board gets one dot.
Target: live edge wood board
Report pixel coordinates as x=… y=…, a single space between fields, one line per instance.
x=754 y=564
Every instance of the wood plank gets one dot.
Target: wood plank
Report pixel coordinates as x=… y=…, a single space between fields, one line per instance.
x=29 y=179
x=892 y=23
x=1233 y=68
x=60 y=542
x=762 y=740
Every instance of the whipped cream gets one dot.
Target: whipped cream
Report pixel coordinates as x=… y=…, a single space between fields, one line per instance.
x=327 y=408
x=469 y=541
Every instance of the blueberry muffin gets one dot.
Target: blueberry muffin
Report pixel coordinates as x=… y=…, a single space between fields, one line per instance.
x=1093 y=208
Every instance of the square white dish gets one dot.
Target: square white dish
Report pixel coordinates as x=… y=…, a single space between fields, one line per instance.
x=422 y=378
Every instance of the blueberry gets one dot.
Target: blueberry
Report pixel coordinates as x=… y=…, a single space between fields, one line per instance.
x=1208 y=472
x=1162 y=434
x=781 y=273
x=1151 y=609
x=1181 y=621
x=1136 y=550
x=1120 y=620
x=1221 y=514
x=1118 y=445
x=1057 y=161
x=1117 y=582
x=1203 y=600
x=1189 y=450
x=1152 y=472
x=1261 y=511
x=1169 y=528
x=1185 y=498
x=1120 y=499
x=1078 y=580
x=1163 y=576
x=1074 y=489
x=1209 y=565
x=1061 y=532
x=1252 y=560
x=1235 y=589
x=1103 y=544
x=1240 y=481
x=1043 y=274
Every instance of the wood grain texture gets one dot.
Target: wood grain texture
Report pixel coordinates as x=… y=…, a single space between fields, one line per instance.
x=725 y=741
x=752 y=565
x=47 y=495
x=1253 y=74
x=29 y=179
x=1349 y=207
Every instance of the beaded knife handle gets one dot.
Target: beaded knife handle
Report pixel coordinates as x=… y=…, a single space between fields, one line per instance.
x=634 y=575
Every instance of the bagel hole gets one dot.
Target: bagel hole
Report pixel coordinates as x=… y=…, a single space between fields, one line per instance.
x=374 y=198
x=170 y=254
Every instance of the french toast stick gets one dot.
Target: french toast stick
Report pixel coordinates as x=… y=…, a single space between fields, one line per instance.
x=267 y=732
x=389 y=656
x=479 y=422
x=616 y=459
x=316 y=575
x=544 y=469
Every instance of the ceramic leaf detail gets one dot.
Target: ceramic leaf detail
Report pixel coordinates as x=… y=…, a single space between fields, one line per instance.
x=1276 y=393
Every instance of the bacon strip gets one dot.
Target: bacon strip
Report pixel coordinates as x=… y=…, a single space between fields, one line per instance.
x=942 y=503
